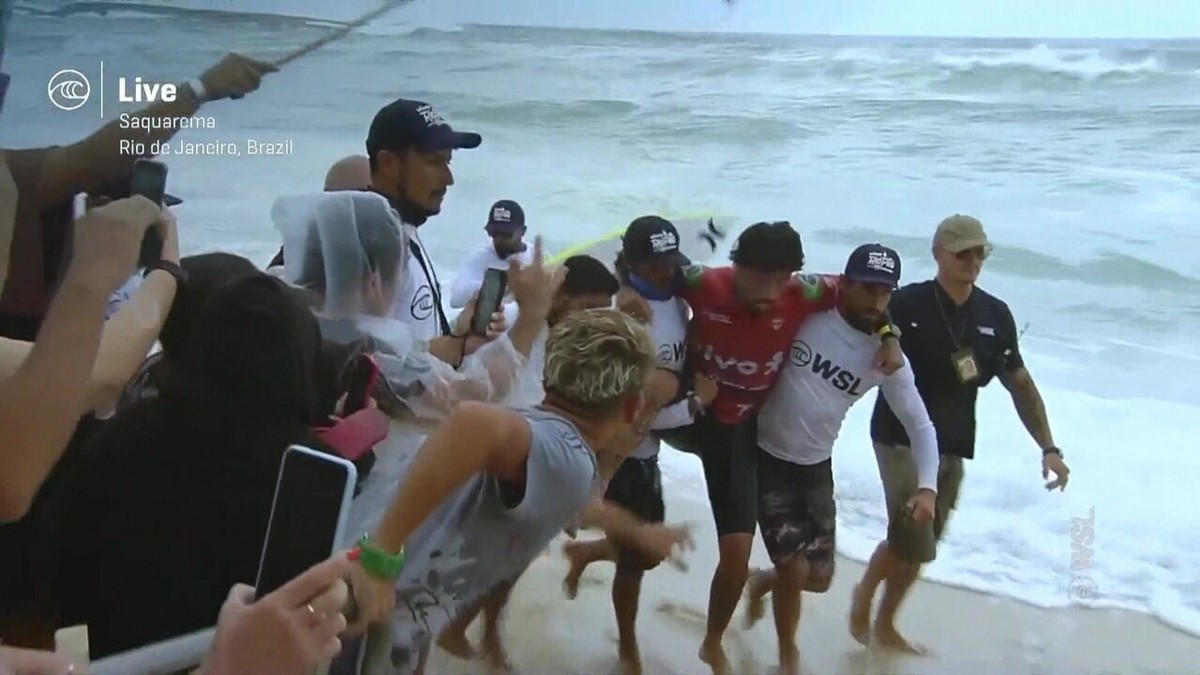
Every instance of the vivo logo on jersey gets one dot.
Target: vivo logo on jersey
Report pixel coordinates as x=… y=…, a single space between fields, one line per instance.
x=747 y=367
x=842 y=380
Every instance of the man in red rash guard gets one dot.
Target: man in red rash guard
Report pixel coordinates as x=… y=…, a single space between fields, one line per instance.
x=744 y=317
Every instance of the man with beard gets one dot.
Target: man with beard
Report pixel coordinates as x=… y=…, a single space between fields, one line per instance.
x=829 y=369
x=743 y=319
x=505 y=229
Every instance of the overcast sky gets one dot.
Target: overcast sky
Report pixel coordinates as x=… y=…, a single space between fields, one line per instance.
x=982 y=18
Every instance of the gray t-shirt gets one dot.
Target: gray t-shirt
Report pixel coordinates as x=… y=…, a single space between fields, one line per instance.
x=484 y=534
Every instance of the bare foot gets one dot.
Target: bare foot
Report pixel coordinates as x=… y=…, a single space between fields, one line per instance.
x=631 y=660
x=789 y=662
x=860 y=616
x=713 y=654
x=457 y=644
x=495 y=656
x=757 y=587
x=577 y=555
x=890 y=638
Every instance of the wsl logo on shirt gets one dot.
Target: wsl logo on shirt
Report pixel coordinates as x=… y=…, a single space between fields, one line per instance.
x=669 y=354
x=804 y=357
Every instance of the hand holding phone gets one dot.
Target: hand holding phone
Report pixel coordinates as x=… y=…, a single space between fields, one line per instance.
x=308 y=515
x=487 y=303
x=150 y=181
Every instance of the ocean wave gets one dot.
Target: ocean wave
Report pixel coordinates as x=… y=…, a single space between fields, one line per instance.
x=555 y=114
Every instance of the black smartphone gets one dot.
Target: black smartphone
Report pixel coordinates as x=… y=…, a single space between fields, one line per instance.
x=150 y=181
x=491 y=295
x=362 y=381
x=308 y=515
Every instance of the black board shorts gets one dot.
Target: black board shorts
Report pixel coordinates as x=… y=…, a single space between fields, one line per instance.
x=730 y=471
x=637 y=487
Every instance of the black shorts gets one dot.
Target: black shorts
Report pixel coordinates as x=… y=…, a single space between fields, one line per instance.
x=637 y=487
x=796 y=512
x=727 y=451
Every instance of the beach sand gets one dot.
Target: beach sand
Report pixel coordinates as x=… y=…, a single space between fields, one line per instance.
x=969 y=633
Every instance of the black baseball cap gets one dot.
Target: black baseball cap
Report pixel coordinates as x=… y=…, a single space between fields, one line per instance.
x=122 y=187
x=652 y=238
x=874 y=264
x=404 y=124
x=505 y=217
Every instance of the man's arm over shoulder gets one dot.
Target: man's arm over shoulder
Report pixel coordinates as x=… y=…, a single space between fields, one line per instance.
x=821 y=291
x=689 y=282
x=474 y=438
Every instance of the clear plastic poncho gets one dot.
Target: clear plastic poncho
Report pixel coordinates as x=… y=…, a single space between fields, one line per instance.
x=350 y=250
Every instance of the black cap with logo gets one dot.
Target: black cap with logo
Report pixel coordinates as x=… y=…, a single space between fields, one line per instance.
x=874 y=264
x=506 y=217
x=651 y=238
x=404 y=124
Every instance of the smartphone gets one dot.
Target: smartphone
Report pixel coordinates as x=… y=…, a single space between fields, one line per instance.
x=150 y=181
x=362 y=382
x=491 y=295
x=308 y=515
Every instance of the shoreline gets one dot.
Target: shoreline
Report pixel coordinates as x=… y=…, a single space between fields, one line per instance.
x=968 y=631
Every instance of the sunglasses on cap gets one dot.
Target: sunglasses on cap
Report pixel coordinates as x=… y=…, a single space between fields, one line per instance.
x=980 y=252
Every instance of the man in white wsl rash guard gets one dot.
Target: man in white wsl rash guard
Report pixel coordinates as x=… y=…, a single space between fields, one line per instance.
x=829 y=370
x=650 y=253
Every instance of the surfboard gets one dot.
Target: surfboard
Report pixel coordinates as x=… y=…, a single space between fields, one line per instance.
x=699 y=237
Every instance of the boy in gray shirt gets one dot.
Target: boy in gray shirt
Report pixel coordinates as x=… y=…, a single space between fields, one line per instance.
x=491 y=487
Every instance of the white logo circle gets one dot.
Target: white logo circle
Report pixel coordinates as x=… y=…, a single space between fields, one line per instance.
x=68 y=89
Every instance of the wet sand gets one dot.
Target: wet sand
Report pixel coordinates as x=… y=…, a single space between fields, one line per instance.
x=967 y=632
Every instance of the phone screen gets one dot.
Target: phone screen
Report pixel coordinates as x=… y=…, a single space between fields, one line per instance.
x=362 y=379
x=311 y=496
x=150 y=181
x=491 y=294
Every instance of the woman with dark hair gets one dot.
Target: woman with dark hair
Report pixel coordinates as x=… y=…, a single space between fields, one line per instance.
x=170 y=503
x=204 y=274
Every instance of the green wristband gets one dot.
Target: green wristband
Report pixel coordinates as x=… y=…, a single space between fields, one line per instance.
x=378 y=562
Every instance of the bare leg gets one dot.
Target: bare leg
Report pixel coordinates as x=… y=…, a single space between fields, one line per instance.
x=493 y=643
x=790 y=580
x=581 y=554
x=864 y=594
x=454 y=638
x=900 y=577
x=626 y=591
x=760 y=583
x=723 y=596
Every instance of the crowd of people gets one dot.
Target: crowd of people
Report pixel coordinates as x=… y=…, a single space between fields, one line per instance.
x=138 y=504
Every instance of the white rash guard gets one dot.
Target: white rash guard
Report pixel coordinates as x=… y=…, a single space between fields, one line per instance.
x=829 y=370
x=470 y=275
x=668 y=330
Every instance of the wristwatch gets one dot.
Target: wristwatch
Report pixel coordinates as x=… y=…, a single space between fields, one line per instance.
x=1052 y=450
x=887 y=332
x=170 y=268
x=378 y=562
